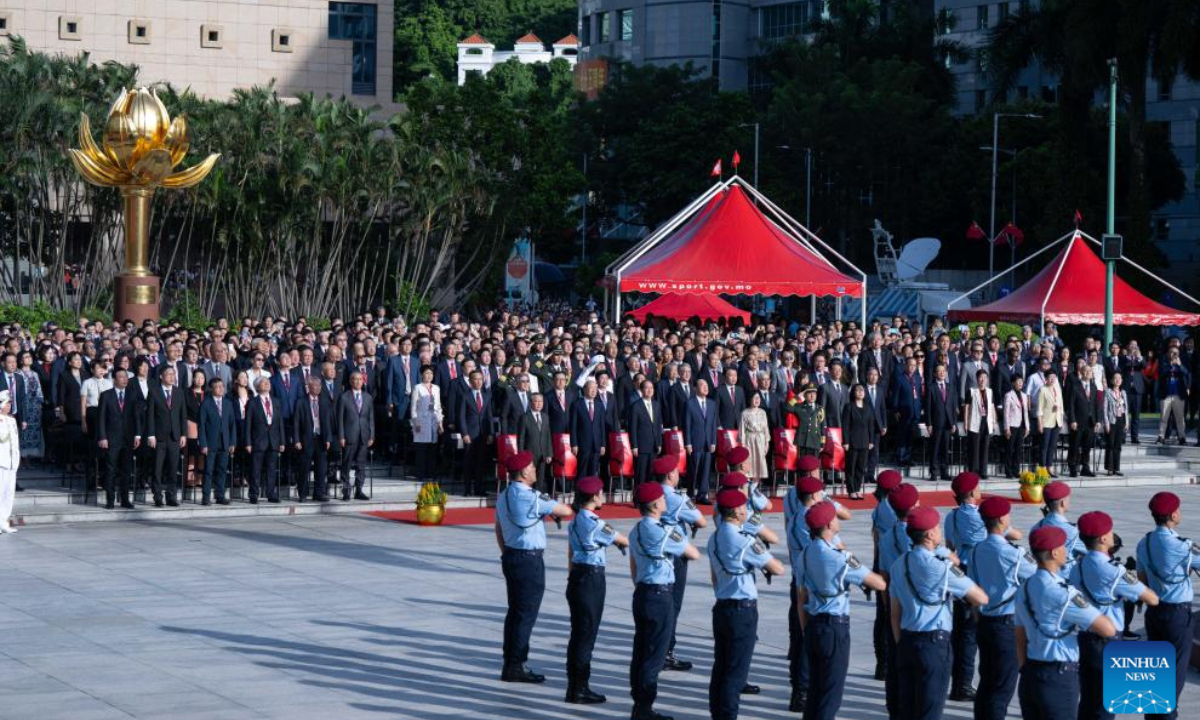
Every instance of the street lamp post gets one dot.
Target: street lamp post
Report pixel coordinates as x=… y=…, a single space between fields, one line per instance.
x=807 y=182
x=996 y=144
x=756 y=128
x=1112 y=198
x=1012 y=154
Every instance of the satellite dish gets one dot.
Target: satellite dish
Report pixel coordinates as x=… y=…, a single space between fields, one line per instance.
x=916 y=256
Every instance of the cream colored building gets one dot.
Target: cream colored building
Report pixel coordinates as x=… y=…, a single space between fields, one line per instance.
x=214 y=46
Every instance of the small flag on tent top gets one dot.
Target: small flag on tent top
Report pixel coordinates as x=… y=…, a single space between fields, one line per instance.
x=975 y=232
x=1078 y=219
x=1011 y=235
x=716 y=171
x=737 y=160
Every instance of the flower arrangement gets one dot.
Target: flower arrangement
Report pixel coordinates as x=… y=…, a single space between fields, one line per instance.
x=1033 y=483
x=431 y=494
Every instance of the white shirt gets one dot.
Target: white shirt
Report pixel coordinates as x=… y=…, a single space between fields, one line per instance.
x=91 y=389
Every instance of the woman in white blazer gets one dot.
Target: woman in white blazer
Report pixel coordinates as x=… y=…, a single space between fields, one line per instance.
x=10 y=460
x=981 y=423
x=1016 y=426
x=425 y=412
x=1051 y=417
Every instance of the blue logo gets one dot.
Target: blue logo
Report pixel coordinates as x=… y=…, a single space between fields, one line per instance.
x=1139 y=677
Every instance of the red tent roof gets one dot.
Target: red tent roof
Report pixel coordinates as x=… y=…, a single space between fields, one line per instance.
x=475 y=39
x=1077 y=298
x=685 y=307
x=730 y=247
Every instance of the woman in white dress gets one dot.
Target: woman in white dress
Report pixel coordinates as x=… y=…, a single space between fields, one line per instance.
x=426 y=416
x=754 y=433
x=10 y=460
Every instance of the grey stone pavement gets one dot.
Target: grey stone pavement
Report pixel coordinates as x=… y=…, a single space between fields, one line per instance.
x=345 y=617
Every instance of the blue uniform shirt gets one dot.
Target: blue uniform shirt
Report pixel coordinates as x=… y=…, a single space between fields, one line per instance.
x=758 y=501
x=1075 y=546
x=829 y=573
x=893 y=545
x=734 y=557
x=883 y=518
x=999 y=567
x=752 y=527
x=520 y=511
x=655 y=546
x=1051 y=611
x=1105 y=584
x=1167 y=559
x=590 y=537
x=964 y=529
x=680 y=509
x=798 y=536
x=923 y=583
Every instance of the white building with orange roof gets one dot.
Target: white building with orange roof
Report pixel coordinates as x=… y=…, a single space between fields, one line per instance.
x=476 y=54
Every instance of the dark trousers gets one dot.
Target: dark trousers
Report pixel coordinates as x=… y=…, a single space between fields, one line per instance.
x=1049 y=690
x=642 y=464
x=588 y=463
x=904 y=430
x=939 y=459
x=891 y=685
x=1135 y=413
x=923 y=681
x=882 y=630
x=827 y=644
x=997 y=667
x=962 y=639
x=262 y=473
x=118 y=465
x=166 y=468
x=856 y=469
x=525 y=581
x=681 y=568
x=797 y=657
x=872 y=458
x=313 y=458
x=1049 y=447
x=699 y=469
x=427 y=459
x=475 y=465
x=1112 y=448
x=1079 y=448
x=979 y=449
x=653 y=619
x=735 y=629
x=1016 y=445
x=355 y=455
x=1173 y=623
x=1091 y=677
x=216 y=473
x=585 y=597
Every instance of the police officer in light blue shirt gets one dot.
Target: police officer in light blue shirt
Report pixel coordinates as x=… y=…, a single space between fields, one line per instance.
x=963 y=529
x=589 y=538
x=1057 y=496
x=922 y=584
x=734 y=557
x=895 y=543
x=829 y=573
x=1050 y=612
x=521 y=535
x=683 y=514
x=1165 y=563
x=999 y=567
x=654 y=546
x=754 y=524
x=1106 y=585
x=736 y=460
x=883 y=519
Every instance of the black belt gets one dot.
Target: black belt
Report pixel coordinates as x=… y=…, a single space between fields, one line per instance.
x=997 y=620
x=586 y=569
x=1096 y=638
x=651 y=587
x=513 y=552
x=1059 y=666
x=936 y=634
x=1174 y=606
x=827 y=619
x=736 y=603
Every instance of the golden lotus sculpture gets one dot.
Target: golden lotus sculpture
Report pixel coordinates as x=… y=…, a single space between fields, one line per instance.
x=139 y=151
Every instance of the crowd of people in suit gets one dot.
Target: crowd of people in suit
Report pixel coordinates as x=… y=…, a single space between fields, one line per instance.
x=276 y=403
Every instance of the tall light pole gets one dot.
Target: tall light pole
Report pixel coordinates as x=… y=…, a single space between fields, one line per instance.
x=756 y=128
x=996 y=144
x=807 y=182
x=1012 y=154
x=583 y=236
x=1112 y=198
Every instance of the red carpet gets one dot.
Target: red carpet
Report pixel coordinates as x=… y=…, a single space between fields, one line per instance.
x=625 y=511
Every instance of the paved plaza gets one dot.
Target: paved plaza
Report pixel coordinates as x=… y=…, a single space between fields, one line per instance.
x=342 y=617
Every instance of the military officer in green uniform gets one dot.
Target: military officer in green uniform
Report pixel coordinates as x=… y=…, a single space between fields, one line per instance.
x=810 y=433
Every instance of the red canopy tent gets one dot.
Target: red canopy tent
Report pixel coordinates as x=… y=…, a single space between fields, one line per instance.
x=684 y=307
x=1070 y=291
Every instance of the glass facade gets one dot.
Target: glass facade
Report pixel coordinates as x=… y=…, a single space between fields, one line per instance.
x=357 y=22
x=786 y=20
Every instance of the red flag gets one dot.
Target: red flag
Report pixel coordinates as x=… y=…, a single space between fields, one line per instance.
x=716 y=171
x=1078 y=219
x=975 y=232
x=1010 y=235
x=737 y=160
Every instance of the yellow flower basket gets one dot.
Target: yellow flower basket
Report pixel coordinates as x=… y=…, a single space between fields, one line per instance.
x=431 y=504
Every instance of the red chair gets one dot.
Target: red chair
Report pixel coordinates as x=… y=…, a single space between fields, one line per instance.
x=672 y=444
x=620 y=461
x=833 y=455
x=785 y=454
x=726 y=441
x=506 y=447
x=565 y=466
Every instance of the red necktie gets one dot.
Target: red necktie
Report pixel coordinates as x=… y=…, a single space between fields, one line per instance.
x=591 y=410
x=732 y=396
x=478 y=401
x=453 y=372
x=267 y=404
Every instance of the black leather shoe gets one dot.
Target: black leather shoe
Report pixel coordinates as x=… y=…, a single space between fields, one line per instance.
x=126 y=505
x=964 y=694
x=360 y=495
x=1088 y=473
x=273 y=500
x=20 y=488
x=345 y=497
x=1131 y=635
x=109 y=504
x=172 y=502
x=880 y=672
x=749 y=689
x=799 y=699
x=648 y=713
x=521 y=674
x=253 y=501
x=206 y=502
x=674 y=663
x=223 y=501
x=158 y=502
x=583 y=695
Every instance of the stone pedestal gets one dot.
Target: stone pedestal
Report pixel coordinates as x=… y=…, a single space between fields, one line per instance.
x=136 y=298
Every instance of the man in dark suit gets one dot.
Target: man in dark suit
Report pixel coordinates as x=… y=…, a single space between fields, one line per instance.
x=166 y=431
x=312 y=434
x=878 y=357
x=645 y=431
x=941 y=413
x=625 y=392
x=118 y=429
x=1084 y=408
x=474 y=423
x=833 y=396
x=588 y=431
x=680 y=395
x=877 y=399
x=731 y=401
x=772 y=402
x=404 y=372
x=905 y=403
x=516 y=405
x=558 y=402
x=14 y=383
x=447 y=369
x=1010 y=367
x=217 y=438
x=700 y=440
x=534 y=436
x=1132 y=367
x=664 y=390
x=264 y=439
x=356 y=434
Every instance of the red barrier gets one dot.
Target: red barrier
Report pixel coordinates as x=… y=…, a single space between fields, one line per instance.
x=785 y=453
x=672 y=444
x=565 y=463
x=506 y=446
x=833 y=456
x=620 y=454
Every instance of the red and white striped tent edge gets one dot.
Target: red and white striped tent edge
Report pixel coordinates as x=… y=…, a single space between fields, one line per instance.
x=701 y=249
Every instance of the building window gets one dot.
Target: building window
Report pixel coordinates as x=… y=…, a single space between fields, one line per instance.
x=1165 y=87
x=625 y=20
x=980 y=100
x=281 y=40
x=784 y=21
x=603 y=31
x=138 y=32
x=1002 y=12
x=356 y=22
x=212 y=36
x=585 y=31
x=4 y=17
x=982 y=17
x=69 y=27
x=716 y=39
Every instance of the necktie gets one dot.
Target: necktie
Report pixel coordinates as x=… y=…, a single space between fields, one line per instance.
x=524 y=402
x=942 y=387
x=287 y=382
x=267 y=405
x=732 y=396
x=649 y=411
x=715 y=378
x=167 y=390
x=591 y=410
x=305 y=374
x=478 y=401
x=703 y=407
x=453 y=372
x=121 y=400
x=766 y=400
x=358 y=401
x=871 y=390
x=329 y=387
x=217 y=402
x=537 y=418
x=316 y=416
x=562 y=403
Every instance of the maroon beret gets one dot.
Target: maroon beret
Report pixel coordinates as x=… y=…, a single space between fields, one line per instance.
x=1056 y=490
x=904 y=498
x=737 y=455
x=889 y=480
x=1094 y=524
x=808 y=463
x=647 y=492
x=665 y=464
x=734 y=480
x=994 y=507
x=820 y=515
x=519 y=461
x=1047 y=537
x=1164 y=503
x=809 y=485
x=964 y=483
x=730 y=498
x=924 y=518
x=590 y=485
